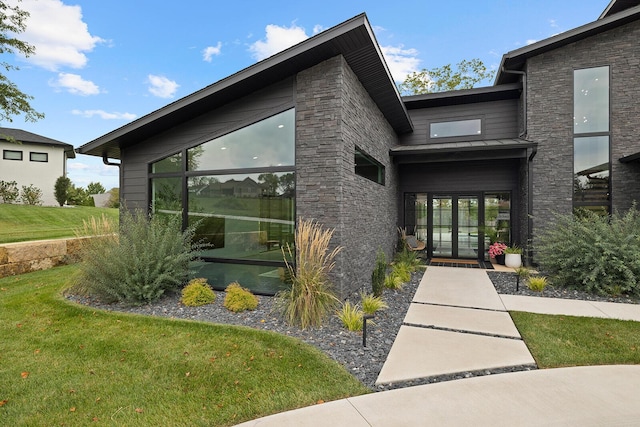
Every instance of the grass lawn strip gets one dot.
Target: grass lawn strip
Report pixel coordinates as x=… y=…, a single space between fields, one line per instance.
x=556 y=341
x=19 y=223
x=62 y=363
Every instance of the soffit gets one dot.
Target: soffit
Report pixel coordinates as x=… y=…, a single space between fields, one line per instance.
x=354 y=39
x=462 y=151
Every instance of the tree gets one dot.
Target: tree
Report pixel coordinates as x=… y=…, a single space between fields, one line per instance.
x=445 y=78
x=95 y=188
x=61 y=189
x=12 y=101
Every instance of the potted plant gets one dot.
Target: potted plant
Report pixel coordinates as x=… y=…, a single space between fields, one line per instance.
x=497 y=251
x=513 y=257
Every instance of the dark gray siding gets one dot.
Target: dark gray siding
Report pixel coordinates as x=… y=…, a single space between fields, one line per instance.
x=550 y=111
x=334 y=114
x=500 y=120
x=135 y=160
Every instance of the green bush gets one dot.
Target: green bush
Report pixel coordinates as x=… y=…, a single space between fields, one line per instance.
x=351 y=316
x=239 y=299
x=372 y=303
x=378 y=274
x=197 y=293
x=9 y=191
x=31 y=195
x=61 y=189
x=311 y=297
x=537 y=283
x=393 y=281
x=593 y=253
x=403 y=271
x=148 y=257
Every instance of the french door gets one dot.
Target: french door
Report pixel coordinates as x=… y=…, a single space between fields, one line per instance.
x=454 y=226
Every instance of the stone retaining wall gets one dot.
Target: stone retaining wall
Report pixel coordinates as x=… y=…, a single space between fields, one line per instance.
x=24 y=257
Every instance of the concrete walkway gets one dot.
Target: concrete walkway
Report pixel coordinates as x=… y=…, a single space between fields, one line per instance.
x=456 y=323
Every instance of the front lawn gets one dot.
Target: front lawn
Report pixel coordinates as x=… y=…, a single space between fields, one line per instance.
x=65 y=364
x=557 y=341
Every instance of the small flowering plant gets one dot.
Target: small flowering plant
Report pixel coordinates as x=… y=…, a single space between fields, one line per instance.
x=497 y=249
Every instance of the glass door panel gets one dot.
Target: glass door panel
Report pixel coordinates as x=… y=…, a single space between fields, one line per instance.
x=467 y=227
x=442 y=226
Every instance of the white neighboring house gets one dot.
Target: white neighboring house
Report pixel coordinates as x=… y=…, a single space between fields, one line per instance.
x=33 y=160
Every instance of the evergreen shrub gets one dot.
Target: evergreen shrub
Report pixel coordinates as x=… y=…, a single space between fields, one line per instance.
x=197 y=293
x=239 y=299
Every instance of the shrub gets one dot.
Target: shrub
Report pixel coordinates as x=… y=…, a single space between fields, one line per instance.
x=378 y=274
x=593 y=253
x=239 y=299
x=9 y=191
x=537 y=283
x=148 y=257
x=403 y=271
x=31 y=195
x=311 y=297
x=372 y=303
x=61 y=189
x=351 y=316
x=197 y=293
x=404 y=254
x=393 y=281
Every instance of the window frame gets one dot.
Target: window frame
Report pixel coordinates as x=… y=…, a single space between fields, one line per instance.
x=458 y=137
x=46 y=156
x=5 y=152
x=371 y=162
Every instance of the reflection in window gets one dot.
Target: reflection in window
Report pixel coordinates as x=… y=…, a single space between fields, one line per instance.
x=591 y=100
x=368 y=167
x=166 y=195
x=168 y=164
x=269 y=142
x=591 y=142
x=455 y=128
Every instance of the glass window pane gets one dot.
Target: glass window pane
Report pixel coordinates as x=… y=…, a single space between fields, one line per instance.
x=456 y=128
x=11 y=155
x=258 y=278
x=368 y=168
x=497 y=219
x=166 y=195
x=244 y=216
x=591 y=169
x=270 y=142
x=168 y=164
x=38 y=157
x=591 y=100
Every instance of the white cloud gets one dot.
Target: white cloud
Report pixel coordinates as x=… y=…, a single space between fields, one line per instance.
x=531 y=41
x=104 y=115
x=317 y=29
x=77 y=166
x=276 y=40
x=161 y=86
x=210 y=51
x=58 y=33
x=401 y=61
x=75 y=84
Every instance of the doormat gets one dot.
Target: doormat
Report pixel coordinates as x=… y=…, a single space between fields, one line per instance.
x=463 y=263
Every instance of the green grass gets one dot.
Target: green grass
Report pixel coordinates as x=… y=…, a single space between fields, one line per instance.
x=19 y=223
x=556 y=341
x=66 y=364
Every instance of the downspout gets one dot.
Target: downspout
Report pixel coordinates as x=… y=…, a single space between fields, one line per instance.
x=105 y=160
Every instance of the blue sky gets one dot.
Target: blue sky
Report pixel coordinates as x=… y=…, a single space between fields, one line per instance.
x=101 y=64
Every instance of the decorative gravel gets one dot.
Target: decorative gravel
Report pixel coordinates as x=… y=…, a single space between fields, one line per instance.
x=344 y=346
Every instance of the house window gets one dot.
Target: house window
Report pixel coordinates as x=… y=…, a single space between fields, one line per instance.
x=591 y=140
x=11 y=155
x=239 y=192
x=368 y=167
x=38 y=157
x=455 y=128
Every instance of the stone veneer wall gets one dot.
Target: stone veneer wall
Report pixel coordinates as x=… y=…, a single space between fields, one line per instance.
x=334 y=114
x=550 y=115
x=25 y=257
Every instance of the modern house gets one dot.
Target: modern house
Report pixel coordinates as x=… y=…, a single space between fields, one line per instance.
x=325 y=133
x=30 y=159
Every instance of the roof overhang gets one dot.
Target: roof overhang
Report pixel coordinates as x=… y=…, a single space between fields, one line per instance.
x=22 y=136
x=464 y=150
x=464 y=96
x=516 y=59
x=630 y=158
x=353 y=39
x=616 y=6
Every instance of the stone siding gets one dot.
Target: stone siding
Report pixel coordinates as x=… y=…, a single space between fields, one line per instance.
x=334 y=113
x=550 y=118
x=25 y=257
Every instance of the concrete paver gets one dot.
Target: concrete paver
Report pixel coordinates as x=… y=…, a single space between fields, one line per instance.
x=571 y=307
x=460 y=287
x=424 y=352
x=463 y=319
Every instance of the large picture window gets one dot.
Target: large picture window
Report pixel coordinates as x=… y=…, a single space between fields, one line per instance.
x=239 y=192
x=591 y=140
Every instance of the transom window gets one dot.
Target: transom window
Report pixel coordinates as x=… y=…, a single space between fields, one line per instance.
x=38 y=157
x=367 y=167
x=455 y=128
